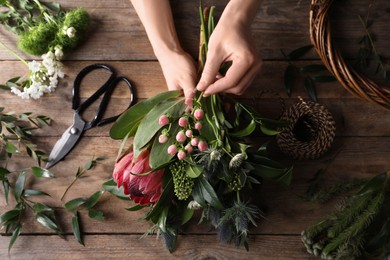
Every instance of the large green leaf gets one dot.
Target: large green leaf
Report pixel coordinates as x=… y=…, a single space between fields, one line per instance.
x=128 y=122
x=159 y=155
x=41 y=172
x=93 y=199
x=76 y=228
x=245 y=131
x=149 y=125
x=282 y=175
x=193 y=171
x=203 y=191
x=19 y=186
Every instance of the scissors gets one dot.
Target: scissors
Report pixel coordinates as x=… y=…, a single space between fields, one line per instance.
x=72 y=135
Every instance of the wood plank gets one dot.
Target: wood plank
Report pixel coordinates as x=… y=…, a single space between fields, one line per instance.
x=125 y=246
x=280 y=24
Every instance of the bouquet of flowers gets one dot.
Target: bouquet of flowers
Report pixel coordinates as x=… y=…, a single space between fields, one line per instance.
x=46 y=30
x=187 y=158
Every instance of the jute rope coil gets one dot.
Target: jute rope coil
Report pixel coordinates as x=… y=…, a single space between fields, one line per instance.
x=310 y=133
x=355 y=82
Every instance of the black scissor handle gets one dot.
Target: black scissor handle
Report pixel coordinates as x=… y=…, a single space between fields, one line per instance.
x=77 y=82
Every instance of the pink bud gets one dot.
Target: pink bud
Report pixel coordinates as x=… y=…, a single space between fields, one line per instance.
x=194 y=141
x=198 y=125
x=162 y=139
x=181 y=155
x=188 y=148
x=188 y=109
x=202 y=146
x=181 y=137
x=172 y=150
x=183 y=121
x=199 y=114
x=163 y=120
x=189 y=133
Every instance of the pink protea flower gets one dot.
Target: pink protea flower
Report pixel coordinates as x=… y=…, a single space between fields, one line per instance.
x=202 y=146
x=198 y=114
x=172 y=149
x=141 y=189
x=163 y=120
x=183 y=121
x=180 y=137
x=181 y=155
x=162 y=139
x=198 y=125
x=189 y=133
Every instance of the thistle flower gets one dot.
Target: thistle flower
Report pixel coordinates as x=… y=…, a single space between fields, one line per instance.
x=236 y=161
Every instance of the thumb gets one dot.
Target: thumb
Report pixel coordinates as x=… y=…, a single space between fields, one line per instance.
x=210 y=71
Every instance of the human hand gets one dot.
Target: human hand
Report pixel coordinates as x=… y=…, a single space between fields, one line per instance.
x=230 y=41
x=179 y=71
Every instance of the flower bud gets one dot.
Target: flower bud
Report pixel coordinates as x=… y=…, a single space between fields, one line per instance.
x=183 y=121
x=194 y=141
x=202 y=146
x=58 y=52
x=199 y=114
x=181 y=155
x=198 y=125
x=172 y=149
x=162 y=139
x=71 y=32
x=163 y=120
x=189 y=133
x=188 y=148
x=181 y=137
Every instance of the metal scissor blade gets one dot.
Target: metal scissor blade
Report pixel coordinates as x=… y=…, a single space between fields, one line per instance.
x=67 y=141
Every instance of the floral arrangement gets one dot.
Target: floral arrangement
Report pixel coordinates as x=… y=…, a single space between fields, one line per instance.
x=187 y=158
x=46 y=30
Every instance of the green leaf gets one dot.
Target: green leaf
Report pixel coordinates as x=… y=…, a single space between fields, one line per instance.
x=74 y=204
x=112 y=188
x=310 y=88
x=245 y=131
x=28 y=193
x=76 y=228
x=96 y=214
x=129 y=121
x=9 y=215
x=374 y=184
x=14 y=237
x=6 y=187
x=208 y=193
x=41 y=172
x=298 y=53
x=158 y=154
x=3 y=173
x=282 y=175
x=47 y=222
x=136 y=207
x=289 y=74
x=162 y=220
x=265 y=130
x=93 y=199
x=10 y=148
x=149 y=125
x=193 y=171
x=186 y=215
x=19 y=186
x=42 y=208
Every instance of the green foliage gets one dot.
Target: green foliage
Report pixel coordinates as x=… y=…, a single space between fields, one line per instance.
x=38 y=40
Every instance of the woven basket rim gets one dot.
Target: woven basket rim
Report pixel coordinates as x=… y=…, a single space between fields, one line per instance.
x=355 y=82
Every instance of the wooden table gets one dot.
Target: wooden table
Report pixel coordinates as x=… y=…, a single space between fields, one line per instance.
x=118 y=39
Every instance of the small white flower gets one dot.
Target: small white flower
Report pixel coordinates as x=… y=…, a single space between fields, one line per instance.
x=34 y=66
x=58 y=52
x=194 y=205
x=71 y=32
x=236 y=161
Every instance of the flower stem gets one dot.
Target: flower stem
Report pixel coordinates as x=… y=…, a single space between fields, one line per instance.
x=13 y=53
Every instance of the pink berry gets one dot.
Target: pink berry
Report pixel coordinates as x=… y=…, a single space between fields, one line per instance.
x=181 y=137
x=181 y=155
x=189 y=148
x=163 y=120
x=183 y=121
x=162 y=139
x=172 y=149
x=199 y=114
x=189 y=133
x=198 y=125
x=194 y=141
x=202 y=146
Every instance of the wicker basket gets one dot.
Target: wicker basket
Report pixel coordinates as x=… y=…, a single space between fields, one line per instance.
x=355 y=82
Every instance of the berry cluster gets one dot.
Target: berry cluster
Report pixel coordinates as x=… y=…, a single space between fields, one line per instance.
x=187 y=138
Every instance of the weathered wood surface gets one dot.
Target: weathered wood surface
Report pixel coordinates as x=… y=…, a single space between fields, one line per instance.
x=118 y=39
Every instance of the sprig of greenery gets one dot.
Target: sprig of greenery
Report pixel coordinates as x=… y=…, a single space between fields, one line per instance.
x=310 y=74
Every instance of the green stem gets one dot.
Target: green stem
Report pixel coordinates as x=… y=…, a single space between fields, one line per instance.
x=13 y=53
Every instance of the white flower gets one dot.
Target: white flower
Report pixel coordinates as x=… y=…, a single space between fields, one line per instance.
x=58 y=52
x=34 y=66
x=71 y=32
x=194 y=205
x=236 y=161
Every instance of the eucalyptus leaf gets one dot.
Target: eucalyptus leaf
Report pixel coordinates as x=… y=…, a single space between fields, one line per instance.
x=42 y=208
x=75 y=203
x=112 y=188
x=9 y=215
x=41 y=172
x=93 y=199
x=19 y=186
x=149 y=125
x=95 y=214
x=11 y=148
x=14 y=237
x=29 y=193
x=128 y=122
x=76 y=228
x=47 y=222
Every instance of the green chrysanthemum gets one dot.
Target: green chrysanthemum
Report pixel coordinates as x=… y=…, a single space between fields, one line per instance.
x=37 y=41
